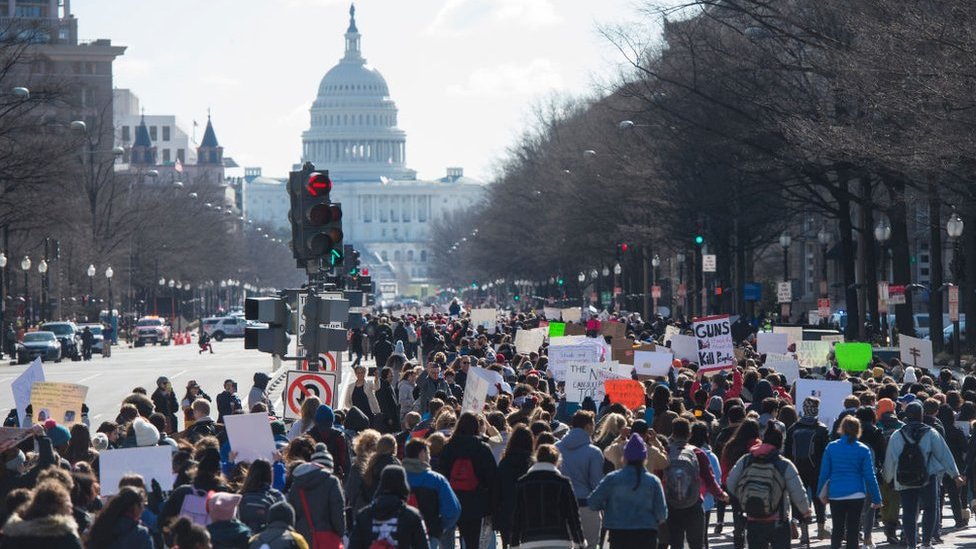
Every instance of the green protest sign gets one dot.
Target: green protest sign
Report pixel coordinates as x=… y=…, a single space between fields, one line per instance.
x=557 y=329
x=853 y=357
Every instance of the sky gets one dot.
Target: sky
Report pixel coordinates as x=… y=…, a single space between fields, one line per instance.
x=464 y=73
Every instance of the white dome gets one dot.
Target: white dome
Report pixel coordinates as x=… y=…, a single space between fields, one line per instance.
x=353 y=78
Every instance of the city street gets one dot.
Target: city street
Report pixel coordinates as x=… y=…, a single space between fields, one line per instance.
x=950 y=537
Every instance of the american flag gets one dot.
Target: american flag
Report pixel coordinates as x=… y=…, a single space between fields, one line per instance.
x=178 y=166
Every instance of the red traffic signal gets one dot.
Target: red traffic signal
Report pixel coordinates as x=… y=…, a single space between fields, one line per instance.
x=365 y=272
x=323 y=214
x=319 y=184
x=624 y=247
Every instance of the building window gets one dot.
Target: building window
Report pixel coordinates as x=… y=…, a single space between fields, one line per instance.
x=165 y=156
x=423 y=256
x=396 y=255
x=153 y=131
x=406 y=204
x=125 y=133
x=384 y=256
x=181 y=154
x=165 y=133
x=409 y=255
x=367 y=209
x=422 y=207
x=382 y=207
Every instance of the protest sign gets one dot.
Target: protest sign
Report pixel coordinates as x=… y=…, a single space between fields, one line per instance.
x=586 y=380
x=669 y=332
x=561 y=356
x=790 y=368
x=794 y=334
x=812 y=354
x=685 y=347
x=915 y=352
x=830 y=393
x=769 y=342
x=552 y=313
x=250 y=436
x=557 y=329
x=616 y=330
x=572 y=314
x=476 y=390
x=485 y=318
x=839 y=338
x=149 y=462
x=715 y=346
x=529 y=341
x=21 y=387
x=853 y=357
x=653 y=363
x=13 y=435
x=59 y=401
x=628 y=392
x=573 y=329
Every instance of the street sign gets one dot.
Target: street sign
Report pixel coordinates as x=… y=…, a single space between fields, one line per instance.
x=752 y=291
x=388 y=289
x=953 y=303
x=328 y=362
x=300 y=385
x=784 y=292
x=656 y=292
x=896 y=294
x=823 y=307
x=883 y=295
x=709 y=263
x=300 y=323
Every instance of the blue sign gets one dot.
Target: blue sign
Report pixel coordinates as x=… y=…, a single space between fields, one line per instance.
x=752 y=291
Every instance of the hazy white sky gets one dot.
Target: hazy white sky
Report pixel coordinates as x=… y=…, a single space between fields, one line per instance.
x=464 y=73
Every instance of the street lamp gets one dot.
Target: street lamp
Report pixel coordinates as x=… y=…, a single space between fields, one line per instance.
x=25 y=265
x=954 y=228
x=606 y=271
x=3 y=295
x=655 y=263
x=594 y=273
x=882 y=232
x=785 y=240
x=824 y=237
x=42 y=268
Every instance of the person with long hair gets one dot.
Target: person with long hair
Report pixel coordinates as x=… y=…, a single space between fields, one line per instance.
x=405 y=399
x=746 y=436
x=257 y=495
x=469 y=465
x=384 y=455
x=193 y=392
x=363 y=447
x=80 y=446
x=45 y=522
x=546 y=512
x=847 y=477
x=609 y=429
x=118 y=525
x=516 y=461
x=207 y=479
x=309 y=406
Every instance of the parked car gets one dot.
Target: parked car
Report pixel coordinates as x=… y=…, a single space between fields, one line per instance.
x=947 y=333
x=98 y=338
x=68 y=336
x=39 y=344
x=226 y=326
x=152 y=329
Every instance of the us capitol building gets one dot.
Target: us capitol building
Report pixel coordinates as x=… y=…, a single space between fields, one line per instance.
x=387 y=211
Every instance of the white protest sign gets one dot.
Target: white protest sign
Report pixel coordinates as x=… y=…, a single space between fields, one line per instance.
x=794 y=334
x=561 y=355
x=685 y=347
x=789 y=368
x=586 y=380
x=779 y=357
x=769 y=342
x=669 y=332
x=716 y=351
x=832 y=338
x=784 y=292
x=572 y=314
x=250 y=436
x=21 y=388
x=709 y=263
x=529 y=341
x=485 y=318
x=830 y=393
x=652 y=363
x=552 y=313
x=813 y=354
x=476 y=390
x=149 y=462
x=915 y=352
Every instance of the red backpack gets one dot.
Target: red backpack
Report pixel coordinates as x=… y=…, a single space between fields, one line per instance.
x=462 y=477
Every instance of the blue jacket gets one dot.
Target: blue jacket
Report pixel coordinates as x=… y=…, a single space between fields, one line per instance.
x=420 y=477
x=625 y=508
x=938 y=457
x=582 y=462
x=849 y=468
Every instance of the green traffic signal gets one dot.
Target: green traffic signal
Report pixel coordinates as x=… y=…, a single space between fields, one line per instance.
x=560 y=281
x=517 y=297
x=699 y=239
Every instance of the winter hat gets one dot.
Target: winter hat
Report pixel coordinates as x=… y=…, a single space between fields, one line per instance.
x=639 y=426
x=278 y=428
x=907 y=398
x=398 y=349
x=588 y=404
x=910 y=375
x=322 y=457
x=715 y=404
x=59 y=435
x=282 y=512
x=913 y=411
x=209 y=461
x=393 y=480
x=100 y=441
x=324 y=416
x=811 y=407
x=885 y=405
x=222 y=506
x=635 y=450
x=146 y=433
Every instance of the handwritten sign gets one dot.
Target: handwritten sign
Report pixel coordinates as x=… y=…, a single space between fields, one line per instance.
x=572 y=314
x=628 y=392
x=484 y=318
x=669 y=332
x=586 y=380
x=794 y=334
x=790 y=369
x=59 y=401
x=21 y=387
x=476 y=390
x=715 y=346
x=529 y=341
x=685 y=347
x=561 y=356
x=557 y=329
x=812 y=354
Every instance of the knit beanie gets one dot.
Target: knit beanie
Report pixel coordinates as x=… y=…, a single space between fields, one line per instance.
x=100 y=442
x=635 y=450
x=324 y=416
x=913 y=411
x=910 y=375
x=59 y=435
x=885 y=405
x=322 y=457
x=811 y=408
x=146 y=433
x=222 y=506
x=715 y=404
x=282 y=512
x=393 y=480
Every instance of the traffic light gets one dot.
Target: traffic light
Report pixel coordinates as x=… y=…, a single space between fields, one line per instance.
x=322 y=315
x=316 y=222
x=517 y=298
x=699 y=240
x=622 y=248
x=274 y=312
x=351 y=260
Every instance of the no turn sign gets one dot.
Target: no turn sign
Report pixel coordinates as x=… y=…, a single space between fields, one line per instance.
x=301 y=385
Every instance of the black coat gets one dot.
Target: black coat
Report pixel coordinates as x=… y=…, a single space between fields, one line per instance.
x=511 y=468
x=545 y=509
x=168 y=406
x=478 y=503
x=382 y=350
x=387 y=399
x=51 y=532
x=409 y=532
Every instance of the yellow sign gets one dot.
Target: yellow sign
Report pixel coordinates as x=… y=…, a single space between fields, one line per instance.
x=59 y=401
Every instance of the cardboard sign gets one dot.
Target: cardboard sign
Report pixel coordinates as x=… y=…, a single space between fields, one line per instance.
x=21 y=388
x=529 y=341
x=575 y=329
x=486 y=318
x=149 y=462
x=789 y=368
x=13 y=435
x=557 y=329
x=794 y=334
x=578 y=349
x=586 y=380
x=628 y=392
x=250 y=436
x=552 y=313
x=769 y=342
x=853 y=357
x=59 y=401
x=830 y=393
x=476 y=390
x=812 y=354
x=716 y=350
x=615 y=330
x=669 y=332
x=915 y=352
x=653 y=363
x=572 y=314
x=832 y=338
x=685 y=347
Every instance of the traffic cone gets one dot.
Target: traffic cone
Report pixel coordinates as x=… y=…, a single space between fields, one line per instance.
x=188 y=338
x=178 y=339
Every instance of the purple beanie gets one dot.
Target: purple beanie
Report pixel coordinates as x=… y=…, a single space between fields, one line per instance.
x=635 y=450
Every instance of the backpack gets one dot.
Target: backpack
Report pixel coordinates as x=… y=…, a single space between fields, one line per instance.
x=195 y=507
x=269 y=540
x=803 y=446
x=912 y=471
x=253 y=508
x=462 y=477
x=761 y=487
x=411 y=335
x=682 y=477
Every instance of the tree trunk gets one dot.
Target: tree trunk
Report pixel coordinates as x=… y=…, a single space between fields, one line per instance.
x=935 y=268
x=900 y=254
x=847 y=260
x=867 y=256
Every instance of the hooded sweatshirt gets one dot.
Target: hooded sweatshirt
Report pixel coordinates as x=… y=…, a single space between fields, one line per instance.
x=762 y=391
x=258 y=392
x=389 y=518
x=437 y=503
x=582 y=462
x=794 y=493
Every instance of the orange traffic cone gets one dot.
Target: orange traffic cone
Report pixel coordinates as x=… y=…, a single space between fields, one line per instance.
x=178 y=339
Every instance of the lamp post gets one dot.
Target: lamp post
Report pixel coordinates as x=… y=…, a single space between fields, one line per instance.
x=784 y=241
x=172 y=301
x=109 y=273
x=42 y=268
x=954 y=228
x=655 y=263
x=581 y=277
x=25 y=265
x=882 y=232
x=680 y=258
x=162 y=284
x=3 y=296
x=824 y=237
x=617 y=270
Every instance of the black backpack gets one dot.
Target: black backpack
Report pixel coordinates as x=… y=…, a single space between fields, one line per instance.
x=912 y=471
x=803 y=444
x=253 y=508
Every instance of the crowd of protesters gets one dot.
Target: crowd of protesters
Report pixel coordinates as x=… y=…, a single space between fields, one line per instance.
x=399 y=463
